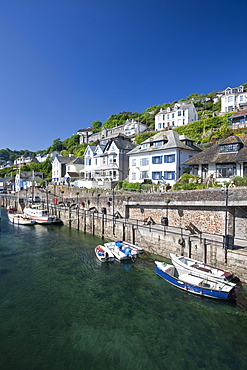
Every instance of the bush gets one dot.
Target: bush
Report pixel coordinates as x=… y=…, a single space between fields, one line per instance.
x=239 y=181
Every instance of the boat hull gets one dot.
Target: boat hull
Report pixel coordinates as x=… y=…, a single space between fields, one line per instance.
x=20 y=220
x=170 y=276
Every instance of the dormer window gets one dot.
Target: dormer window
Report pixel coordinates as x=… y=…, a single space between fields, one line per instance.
x=229 y=148
x=158 y=143
x=145 y=145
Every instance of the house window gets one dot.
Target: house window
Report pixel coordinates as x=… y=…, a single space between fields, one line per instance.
x=156 y=175
x=143 y=175
x=172 y=115
x=158 y=143
x=245 y=169
x=159 y=125
x=230 y=99
x=170 y=158
x=146 y=145
x=179 y=113
x=204 y=170
x=225 y=169
x=88 y=162
x=169 y=175
x=229 y=148
x=194 y=170
x=133 y=162
x=144 y=162
x=133 y=176
x=230 y=108
x=113 y=158
x=241 y=98
x=157 y=159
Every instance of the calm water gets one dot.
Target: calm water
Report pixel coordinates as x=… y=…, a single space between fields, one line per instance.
x=61 y=309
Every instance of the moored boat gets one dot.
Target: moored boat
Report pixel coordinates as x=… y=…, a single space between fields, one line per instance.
x=201 y=269
x=195 y=284
x=121 y=252
x=104 y=254
x=41 y=216
x=20 y=219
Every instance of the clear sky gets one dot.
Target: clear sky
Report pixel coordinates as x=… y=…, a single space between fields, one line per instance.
x=66 y=63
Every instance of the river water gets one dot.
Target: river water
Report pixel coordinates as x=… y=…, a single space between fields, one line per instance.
x=60 y=308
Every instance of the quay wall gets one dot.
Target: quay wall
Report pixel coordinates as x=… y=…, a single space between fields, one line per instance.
x=158 y=241
x=205 y=210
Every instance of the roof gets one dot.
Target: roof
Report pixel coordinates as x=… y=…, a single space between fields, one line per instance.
x=171 y=139
x=64 y=160
x=213 y=155
x=239 y=114
x=76 y=160
x=88 y=129
x=72 y=174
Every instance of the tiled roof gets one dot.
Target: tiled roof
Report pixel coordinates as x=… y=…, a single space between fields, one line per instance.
x=213 y=155
x=239 y=114
x=171 y=140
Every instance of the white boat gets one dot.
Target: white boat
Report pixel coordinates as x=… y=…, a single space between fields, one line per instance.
x=190 y=282
x=121 y=252
x=133 y=247
x=104 y=254
x=20 y=219
x=201 y=269
x=41 y=216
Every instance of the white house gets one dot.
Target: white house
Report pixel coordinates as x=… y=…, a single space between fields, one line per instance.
x=108 y=160
x=179 y=115
x=233 y=99
x=22 y=160
x=221 y=161
x=130 y=128
x=73 y=169
x=62 y=165
x=84 y=134
x=159 y=158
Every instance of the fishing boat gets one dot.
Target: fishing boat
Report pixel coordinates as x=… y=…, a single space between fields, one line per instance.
x=121 y=252
x=201 y=269
x=195 y=284
x=20 y=219
x=41 y=216
x=104 y=254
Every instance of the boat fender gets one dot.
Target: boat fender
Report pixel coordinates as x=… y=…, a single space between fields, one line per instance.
x=181 y=241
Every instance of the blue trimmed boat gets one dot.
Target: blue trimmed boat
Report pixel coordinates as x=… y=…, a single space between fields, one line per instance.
x=195 y=284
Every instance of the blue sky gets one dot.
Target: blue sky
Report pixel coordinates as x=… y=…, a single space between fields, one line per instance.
x=66 y=63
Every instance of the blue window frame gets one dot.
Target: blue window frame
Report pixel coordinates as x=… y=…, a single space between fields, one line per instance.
x=169 y=158
x=157 y=175
x=157 y=159
x=169 y=175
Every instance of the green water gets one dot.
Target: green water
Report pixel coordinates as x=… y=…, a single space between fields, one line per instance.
x=60 y=308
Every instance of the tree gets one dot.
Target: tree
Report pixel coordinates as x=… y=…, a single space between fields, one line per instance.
x=96 y=126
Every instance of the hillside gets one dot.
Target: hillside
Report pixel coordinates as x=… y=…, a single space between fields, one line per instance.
x=209 y=129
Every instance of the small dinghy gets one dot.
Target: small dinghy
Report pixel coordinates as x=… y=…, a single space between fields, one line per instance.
x=195 y=284
x=104 y=254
